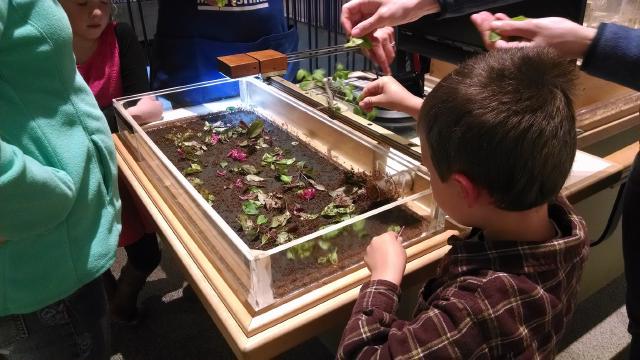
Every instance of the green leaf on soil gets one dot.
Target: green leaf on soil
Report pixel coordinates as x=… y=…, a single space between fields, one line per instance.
x=305 y=216
x=280 y=220
x=194 y=181
x=253 y=178
x=324 y=244
x=261 y=219
x=284 y=237
x=331 y=258
x=245 y=222
x=286 y=179
x=224 y=163
x=255 y=129
x=250 y=207
x=300 y=251
x=332 y=210
x=193 y=169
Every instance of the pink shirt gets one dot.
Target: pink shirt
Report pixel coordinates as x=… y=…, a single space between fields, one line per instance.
x=102 y=70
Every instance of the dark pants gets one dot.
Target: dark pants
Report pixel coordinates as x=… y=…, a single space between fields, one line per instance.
x=144 y=254
x=76 y=327
x=631 y=254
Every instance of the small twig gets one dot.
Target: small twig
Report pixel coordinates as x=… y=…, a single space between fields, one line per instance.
x=400 y=232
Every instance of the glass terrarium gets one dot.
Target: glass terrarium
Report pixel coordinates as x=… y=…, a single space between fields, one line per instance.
x=281 y=198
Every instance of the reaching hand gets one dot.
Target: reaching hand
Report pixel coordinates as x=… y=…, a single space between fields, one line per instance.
x=564 y=36
x=386 y=258
x=387 y=92
x=382 y=50
x=147 y=109
x=362 y=17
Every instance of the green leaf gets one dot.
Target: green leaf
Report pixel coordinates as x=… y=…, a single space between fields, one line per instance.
x=283 y=237
x=303 y=74
x=280 y=220
x=248 y=170
x=300 y=251
x=394 y=228
x=250 y=207
x=245 y=222
x=305 y=216
x=286 y=179
x=332 y=210
x=221 y=3
x=372 y=114
x=307 y=84
x=261 y=219
x=253 y=178
x=193 y=169
x=324 y=244
x=255 y=129
x=224 y=163
x=363 y=43
x=494 y=36
x=318 y=75
x=194 y=181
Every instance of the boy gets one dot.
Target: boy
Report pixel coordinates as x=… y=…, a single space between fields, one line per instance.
x=498 y=137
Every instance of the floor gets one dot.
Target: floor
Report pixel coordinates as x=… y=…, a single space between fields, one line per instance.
x=176 y=326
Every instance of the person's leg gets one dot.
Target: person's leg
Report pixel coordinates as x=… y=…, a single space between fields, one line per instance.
x=631 y=254
x=143 y=256
x=73 y=328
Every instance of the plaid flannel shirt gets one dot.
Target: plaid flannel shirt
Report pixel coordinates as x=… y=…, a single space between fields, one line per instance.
x=490 y=300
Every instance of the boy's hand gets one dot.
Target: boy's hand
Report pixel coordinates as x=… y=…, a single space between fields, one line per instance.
x=386 y=92
x=147 y=110
x=564 y=36
x=386 y=258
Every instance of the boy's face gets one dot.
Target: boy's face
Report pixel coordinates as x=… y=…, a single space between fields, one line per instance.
x=448 y=194
x=88 y=18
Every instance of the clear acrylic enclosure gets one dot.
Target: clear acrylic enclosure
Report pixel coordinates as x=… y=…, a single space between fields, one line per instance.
x=280 y=197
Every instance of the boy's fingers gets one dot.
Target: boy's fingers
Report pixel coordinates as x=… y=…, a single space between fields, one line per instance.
x=375 y=88
x=370 y=102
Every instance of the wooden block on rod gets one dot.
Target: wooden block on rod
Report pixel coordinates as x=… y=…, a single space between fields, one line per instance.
x=271 y=62
x=239 y=65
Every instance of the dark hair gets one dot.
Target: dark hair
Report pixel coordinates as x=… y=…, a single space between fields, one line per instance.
x=506 y=121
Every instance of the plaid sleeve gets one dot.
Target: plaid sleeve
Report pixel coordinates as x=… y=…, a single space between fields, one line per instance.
x=486 y=318
x=374 y=331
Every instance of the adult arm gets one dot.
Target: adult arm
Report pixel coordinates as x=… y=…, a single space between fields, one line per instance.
x=612 y=52
x=363 y=17
x=614 y=55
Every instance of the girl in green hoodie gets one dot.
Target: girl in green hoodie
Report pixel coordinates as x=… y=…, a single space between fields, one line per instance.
x=59 y=204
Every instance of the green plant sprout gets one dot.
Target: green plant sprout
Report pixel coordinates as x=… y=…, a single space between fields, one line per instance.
x=494 y=36
x=362 y=43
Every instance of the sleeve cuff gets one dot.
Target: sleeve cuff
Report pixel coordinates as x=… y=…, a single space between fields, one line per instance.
x=378 y=294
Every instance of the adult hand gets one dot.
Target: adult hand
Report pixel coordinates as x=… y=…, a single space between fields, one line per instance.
x=362 y=17
x=387 y=92
x=386 y=258
x=564 y=36
x=382 y=50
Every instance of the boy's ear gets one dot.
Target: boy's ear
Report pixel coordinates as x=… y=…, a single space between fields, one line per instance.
x=469 y=192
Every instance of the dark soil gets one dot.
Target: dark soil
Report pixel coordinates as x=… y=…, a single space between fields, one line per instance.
x=298 y=267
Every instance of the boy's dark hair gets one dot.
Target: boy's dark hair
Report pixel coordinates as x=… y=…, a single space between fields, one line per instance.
x=506 y=121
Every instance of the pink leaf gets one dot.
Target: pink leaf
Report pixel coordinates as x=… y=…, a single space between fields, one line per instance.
x=237 y=154
x=308 y=193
